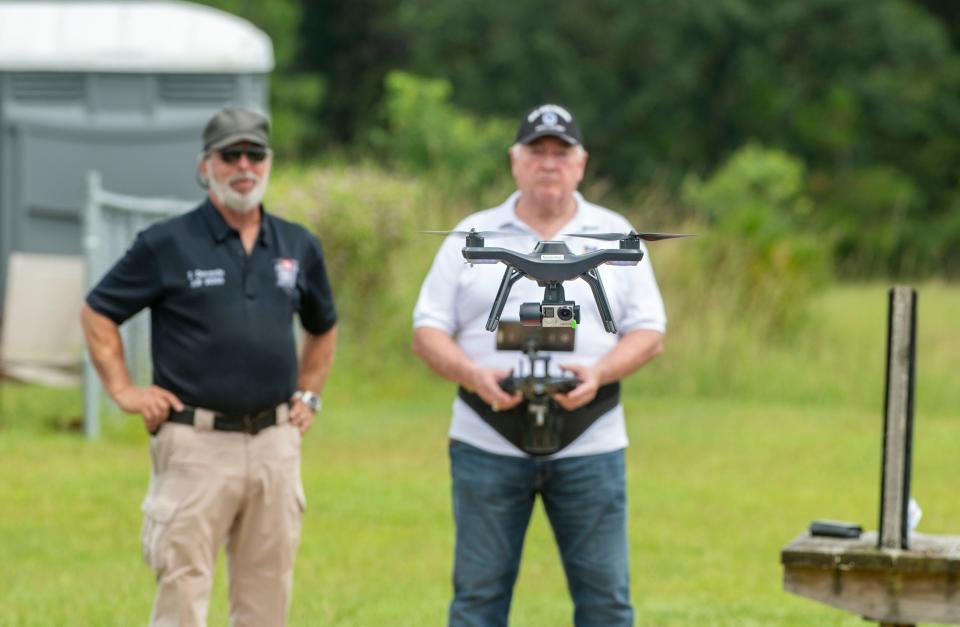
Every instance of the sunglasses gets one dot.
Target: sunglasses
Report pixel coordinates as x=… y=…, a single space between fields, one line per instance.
x=254 y=155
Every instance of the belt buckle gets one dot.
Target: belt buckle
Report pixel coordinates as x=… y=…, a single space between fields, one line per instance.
x=248 y=426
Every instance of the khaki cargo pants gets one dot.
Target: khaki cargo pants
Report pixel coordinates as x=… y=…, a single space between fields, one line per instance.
x=215 y=487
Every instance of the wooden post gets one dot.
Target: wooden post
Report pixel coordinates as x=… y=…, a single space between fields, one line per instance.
x=877 y=575
x=898 y=419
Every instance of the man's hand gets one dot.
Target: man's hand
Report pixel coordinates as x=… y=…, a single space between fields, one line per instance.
x=153 y=403
x=486 y=383
x=583 y=393
x=437 y=348
x=301 y=416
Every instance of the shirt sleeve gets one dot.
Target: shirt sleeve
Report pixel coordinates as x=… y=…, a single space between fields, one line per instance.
x=642 y=305
x=436 y=305
x=317 y=312
x=132 y=284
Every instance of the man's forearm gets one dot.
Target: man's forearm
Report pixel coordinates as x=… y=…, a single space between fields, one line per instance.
x=316 y=359
x=106 y=350
x=632 y=351
x=444 y=356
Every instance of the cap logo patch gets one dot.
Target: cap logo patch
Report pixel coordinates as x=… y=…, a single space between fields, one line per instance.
x=552 y=110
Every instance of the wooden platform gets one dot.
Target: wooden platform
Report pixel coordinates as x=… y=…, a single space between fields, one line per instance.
x=893 y=586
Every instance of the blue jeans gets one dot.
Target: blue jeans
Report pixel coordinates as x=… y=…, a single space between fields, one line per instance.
x=585 y=501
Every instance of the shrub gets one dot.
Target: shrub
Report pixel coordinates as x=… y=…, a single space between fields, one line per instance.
x=368 y=222
x=425 y=134
x=755 y=209
x=874 y=213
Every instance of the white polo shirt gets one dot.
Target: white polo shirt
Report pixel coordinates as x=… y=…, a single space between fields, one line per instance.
x=456 y=298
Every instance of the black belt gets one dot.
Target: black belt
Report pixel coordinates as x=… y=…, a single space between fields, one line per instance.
x=244 y=423
x=509 y=423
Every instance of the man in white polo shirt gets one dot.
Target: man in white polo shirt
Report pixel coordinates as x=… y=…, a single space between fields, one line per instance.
x=495 y=482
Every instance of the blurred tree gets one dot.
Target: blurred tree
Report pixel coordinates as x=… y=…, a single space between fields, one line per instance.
x=859 y=90
x=948 y=11
x=680 y=85
x=295 y=95
x=427 y=135
x=664 y=89
x=756 y=248
x=353 y=45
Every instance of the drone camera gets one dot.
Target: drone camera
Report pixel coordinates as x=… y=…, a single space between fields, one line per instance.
x=564 y=315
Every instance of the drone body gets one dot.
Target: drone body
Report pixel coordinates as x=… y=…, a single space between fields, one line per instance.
x=553 y=261
x=550 y=264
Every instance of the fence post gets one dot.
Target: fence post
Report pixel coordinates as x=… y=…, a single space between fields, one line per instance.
x=898 y=419
x=91 y=248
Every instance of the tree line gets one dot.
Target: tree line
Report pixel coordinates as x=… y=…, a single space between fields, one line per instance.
x=863 y=95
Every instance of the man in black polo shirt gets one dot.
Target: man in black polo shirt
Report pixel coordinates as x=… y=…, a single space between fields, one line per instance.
x=230 y=401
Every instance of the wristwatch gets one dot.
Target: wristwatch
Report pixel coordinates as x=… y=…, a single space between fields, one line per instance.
x=309 y=399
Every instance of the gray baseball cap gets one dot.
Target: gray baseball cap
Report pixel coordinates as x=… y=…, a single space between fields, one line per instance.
x=231 y=126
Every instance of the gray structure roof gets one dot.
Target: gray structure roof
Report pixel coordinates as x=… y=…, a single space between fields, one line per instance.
x=128 y=37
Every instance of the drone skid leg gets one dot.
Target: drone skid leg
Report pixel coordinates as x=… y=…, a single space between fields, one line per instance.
x=592 y=277
x=510 y=276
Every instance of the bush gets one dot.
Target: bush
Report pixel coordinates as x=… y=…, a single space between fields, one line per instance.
x=296 y=98
x=755 y=249
x=425 y=134
x=368 y=222
x=874 y=213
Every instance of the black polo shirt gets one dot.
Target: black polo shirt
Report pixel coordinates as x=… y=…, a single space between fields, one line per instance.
x=221 y=320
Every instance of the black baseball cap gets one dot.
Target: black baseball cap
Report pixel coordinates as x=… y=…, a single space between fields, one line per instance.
x=549 y=120
x=231 y=126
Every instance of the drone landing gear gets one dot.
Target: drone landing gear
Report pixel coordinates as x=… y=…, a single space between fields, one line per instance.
x=592 y=277
x=510 y=276
x=554 y=311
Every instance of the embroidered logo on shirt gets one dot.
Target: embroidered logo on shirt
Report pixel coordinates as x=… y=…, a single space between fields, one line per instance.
x=206 y=278
x=287 y=270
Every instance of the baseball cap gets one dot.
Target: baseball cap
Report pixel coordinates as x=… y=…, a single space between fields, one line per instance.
x=231 y=126
x=549 y=120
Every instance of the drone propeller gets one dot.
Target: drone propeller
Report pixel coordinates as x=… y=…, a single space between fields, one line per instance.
x=612 y=237
x=475 y=232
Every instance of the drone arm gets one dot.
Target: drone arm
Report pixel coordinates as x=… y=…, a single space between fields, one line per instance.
x=592 y=277
x=510 y=276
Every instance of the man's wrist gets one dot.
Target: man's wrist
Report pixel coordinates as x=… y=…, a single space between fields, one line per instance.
x=309 y=399
x=471 y=376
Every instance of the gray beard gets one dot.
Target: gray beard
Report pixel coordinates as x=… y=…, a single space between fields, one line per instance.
x=235 y=201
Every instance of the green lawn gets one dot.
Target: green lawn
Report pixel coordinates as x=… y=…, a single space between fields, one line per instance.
x=718 y=484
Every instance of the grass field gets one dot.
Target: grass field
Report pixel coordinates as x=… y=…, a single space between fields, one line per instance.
x=719 y=482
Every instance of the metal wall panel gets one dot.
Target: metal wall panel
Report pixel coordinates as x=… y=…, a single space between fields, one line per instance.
x=142 y=132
